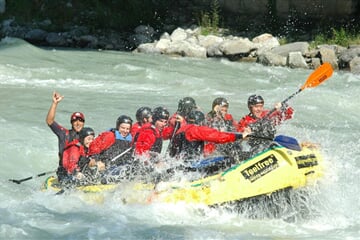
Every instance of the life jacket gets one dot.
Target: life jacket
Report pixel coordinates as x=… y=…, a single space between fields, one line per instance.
x=157 y=146
x=70 y=158
x=117 y=148
x=225 y=123
x=70 y=136
x=185 y=149
x=71 y=139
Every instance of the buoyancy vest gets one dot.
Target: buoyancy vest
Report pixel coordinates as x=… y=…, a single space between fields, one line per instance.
x=222 y=123
x=70 y=158
x=117 y=148
x=71 y=139
x=70 y=136
x=157 y=146
x=185 y=149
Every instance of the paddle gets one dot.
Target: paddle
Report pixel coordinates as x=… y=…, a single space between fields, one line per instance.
x=317 y=77
x=32 y=177
x=176 y=127
x=121 y=154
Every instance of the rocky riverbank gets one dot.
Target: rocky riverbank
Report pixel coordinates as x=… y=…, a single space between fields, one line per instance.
x=264 y=49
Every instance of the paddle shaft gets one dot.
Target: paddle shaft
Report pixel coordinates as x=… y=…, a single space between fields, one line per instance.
x=121 y=154
x=317 y=77
x=283 y=102
x=177 y=125
x=32 y=177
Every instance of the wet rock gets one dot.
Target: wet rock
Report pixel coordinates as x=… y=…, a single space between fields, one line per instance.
x=265 y=42
x=284 y=50
x=178 y=34
x=186 y=49
x=56 y=39
x=36 y=36
x=296 y=60
x=236 y=46
x=348 y=55
x=355 y=65
x=272 y=59
x=328 y=55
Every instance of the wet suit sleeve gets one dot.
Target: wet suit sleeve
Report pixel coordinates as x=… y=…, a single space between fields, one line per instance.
x=101 y=143
x=203 y=133
x=281 y=115
x=60 y=132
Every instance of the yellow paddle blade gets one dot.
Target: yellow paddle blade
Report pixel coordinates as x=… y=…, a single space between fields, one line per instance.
x=320 y=74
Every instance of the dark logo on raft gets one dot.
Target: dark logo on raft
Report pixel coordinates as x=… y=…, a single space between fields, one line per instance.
x=261 y=168
x=306 y=161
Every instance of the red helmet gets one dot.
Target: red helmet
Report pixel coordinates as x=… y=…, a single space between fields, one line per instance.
x=77 y=115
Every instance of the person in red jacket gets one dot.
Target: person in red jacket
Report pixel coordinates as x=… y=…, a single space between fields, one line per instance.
x=262 y=123
x=189 y=140
x=257 y=112
x=219 y=118
x=72 y=162
x=149 y=138
x=143 y=115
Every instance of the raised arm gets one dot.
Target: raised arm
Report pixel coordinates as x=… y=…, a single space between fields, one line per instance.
x=56 y=98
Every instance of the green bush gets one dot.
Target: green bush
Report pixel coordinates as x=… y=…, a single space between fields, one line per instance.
x=209 y=20
x=340 y=37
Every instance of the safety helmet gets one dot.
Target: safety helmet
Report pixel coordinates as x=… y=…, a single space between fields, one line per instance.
x=77 y=115
x=143 y=112
x=220 y=101
x=255 y=99
x=160 y=113
x=195 y=117
x=186 y=105
x=123 y=119
x=84 y=132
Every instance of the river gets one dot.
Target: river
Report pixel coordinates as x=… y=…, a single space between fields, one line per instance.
x=106 y=84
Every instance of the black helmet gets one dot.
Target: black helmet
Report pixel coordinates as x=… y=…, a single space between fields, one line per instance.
x=186 y=105
x=143 y=112
x=220 y=101
x=160 y=113
x=84 y=132
x=123 y=119
x=195 y=117
x=255 y=99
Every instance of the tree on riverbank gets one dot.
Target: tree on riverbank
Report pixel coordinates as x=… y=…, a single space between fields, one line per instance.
x=165 y=15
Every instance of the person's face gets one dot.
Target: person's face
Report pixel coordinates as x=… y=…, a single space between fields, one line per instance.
x=224 y=109
x=124 y=129
x=77 y=124
x=160 y=124
x=88 y=140
x=147 y=120
x=257 y=109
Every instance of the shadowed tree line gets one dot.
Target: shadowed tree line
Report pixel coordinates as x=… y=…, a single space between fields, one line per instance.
x=125 y=15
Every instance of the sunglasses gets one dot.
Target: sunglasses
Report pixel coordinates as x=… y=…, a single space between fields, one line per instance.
x=78 y=119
